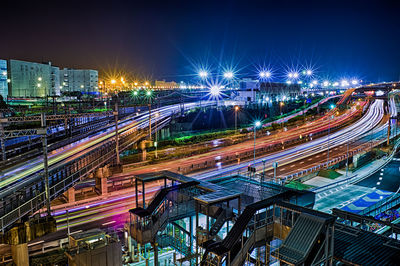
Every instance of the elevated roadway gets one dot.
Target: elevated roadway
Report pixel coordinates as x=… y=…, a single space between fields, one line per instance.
x=22 y=186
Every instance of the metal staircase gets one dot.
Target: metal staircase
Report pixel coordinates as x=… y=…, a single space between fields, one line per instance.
x=224 y=215
x=170 y=204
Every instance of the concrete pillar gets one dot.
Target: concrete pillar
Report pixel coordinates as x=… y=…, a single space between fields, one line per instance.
x=71 y=195
x=355 y=159
x=101 y=180
x=131 y=248
x=20 y=254
x=106 y=171
x=142 y=146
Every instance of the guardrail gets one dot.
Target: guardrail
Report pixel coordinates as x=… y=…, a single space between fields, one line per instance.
x=382 y=205
x=356 y=178
x=63 y=176
x=68 y=178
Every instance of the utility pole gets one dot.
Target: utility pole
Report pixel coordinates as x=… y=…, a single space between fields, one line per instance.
x=236 y=110
x=45 y=162
x=156 y=142
x=116 y=129
x=329 y=132
x=68 y=229
x=388 y=133
x=149 y=119
x=2 y=140
x=263 y=168
x=347 y=158
x=275 y=165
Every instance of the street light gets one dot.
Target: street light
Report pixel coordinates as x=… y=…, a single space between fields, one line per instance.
x=203 y=74
x=148 y=94
x=256 y=124
x=281 y=104
x=264 y=74
x=228 y=75
x=215 y=90
x=344 y=83
x=309 y=72
x=236 y=110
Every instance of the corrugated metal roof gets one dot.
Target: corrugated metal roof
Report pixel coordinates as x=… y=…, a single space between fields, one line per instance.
x=364 y=248
x=301 y=239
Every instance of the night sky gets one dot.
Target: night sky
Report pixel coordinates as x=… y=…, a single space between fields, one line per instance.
x=170 y=39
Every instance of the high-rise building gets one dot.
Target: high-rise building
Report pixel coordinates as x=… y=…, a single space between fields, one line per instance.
x=3 y=79
x=29 y=79
x=55 y=81
x=83 y=80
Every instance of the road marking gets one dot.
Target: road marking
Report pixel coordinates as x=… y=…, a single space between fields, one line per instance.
x=107 y=223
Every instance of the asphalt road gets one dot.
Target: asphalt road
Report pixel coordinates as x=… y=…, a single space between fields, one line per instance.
x=387 y=179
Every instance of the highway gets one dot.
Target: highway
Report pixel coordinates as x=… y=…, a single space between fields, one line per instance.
x=114 y=212
x=25 y=177
x=286 y=156
x=112 y=208
x=14 y=174
x=370 y=120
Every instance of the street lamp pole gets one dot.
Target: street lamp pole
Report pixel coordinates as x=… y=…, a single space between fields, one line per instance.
x=116 y=129
x=347 y=158
x=149 y=103
x=45 y=163
x=156 y=142
x=236 y=110
x=329 y=132
x=280 y=108
x=256 y=124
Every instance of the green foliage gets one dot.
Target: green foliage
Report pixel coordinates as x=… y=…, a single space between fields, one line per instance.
x=329 y=173
x=298 y=185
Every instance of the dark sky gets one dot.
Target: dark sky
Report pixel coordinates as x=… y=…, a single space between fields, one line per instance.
x=169 y=39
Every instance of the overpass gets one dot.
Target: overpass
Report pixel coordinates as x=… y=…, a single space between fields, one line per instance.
x=22 y=187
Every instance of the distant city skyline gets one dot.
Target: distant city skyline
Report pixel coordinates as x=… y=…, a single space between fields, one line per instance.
x=159 y=40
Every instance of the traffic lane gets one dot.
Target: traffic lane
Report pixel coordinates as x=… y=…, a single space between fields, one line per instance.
x=343 y=136
x=62 y=153
x=388 y=178
x=317 y=159
x=221 y=152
